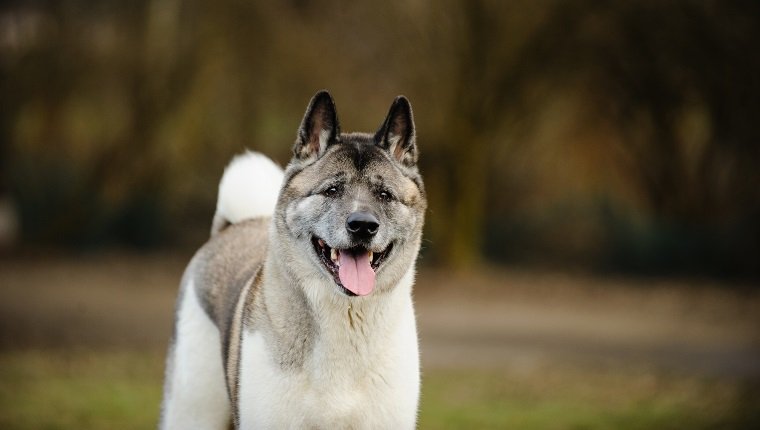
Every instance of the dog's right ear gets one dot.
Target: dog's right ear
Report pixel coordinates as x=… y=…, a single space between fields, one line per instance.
x=319 y=128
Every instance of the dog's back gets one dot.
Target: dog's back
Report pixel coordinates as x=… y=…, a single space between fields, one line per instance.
x=210 y=291
x=224 y=266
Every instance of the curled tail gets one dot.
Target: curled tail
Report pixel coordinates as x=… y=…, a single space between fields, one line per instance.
x=249 y=188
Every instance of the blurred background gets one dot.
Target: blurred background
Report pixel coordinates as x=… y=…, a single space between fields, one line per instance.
x=592 y=248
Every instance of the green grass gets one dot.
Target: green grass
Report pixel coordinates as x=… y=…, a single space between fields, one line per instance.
x=582 y=399
x=55 y=390
x=121 y=390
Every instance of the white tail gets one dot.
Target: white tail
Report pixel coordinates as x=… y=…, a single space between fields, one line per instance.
x=249 y=188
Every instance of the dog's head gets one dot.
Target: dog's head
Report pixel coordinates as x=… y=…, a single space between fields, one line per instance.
x=352 y=205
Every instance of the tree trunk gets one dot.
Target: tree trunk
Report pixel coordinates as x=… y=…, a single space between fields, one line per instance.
x=457 y=210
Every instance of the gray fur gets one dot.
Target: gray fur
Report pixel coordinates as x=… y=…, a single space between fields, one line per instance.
x=255 y=276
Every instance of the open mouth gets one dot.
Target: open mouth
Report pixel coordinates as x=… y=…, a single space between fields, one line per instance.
x=353 y=269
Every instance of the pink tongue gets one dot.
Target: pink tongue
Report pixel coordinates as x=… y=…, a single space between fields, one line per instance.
x=355 y=273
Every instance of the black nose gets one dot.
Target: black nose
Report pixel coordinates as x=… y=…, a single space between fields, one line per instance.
x=362 y=224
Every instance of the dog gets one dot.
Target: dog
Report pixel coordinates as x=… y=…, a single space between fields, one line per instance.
x=298 y=313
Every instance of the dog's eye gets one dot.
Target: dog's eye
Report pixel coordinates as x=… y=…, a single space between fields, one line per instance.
x=331 y=192
x=384 y=196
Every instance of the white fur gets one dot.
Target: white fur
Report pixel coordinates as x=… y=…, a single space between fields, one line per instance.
x=249 y=188
x=361 y=377
x=324 y=135
x=197 y=395
x=393 y=140
x=362 y=372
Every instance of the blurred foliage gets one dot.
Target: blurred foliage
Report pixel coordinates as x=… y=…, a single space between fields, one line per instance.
x=611 y=135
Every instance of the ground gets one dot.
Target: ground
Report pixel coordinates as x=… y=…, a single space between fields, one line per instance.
x=82 y=343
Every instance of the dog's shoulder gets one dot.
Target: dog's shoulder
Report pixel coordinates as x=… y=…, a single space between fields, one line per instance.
x=222 y=267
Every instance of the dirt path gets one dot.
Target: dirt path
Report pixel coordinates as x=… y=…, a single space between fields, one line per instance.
x=525 y=320
x=520 y=320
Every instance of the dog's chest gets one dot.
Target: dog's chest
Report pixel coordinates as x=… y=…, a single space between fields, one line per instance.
x=332 y=389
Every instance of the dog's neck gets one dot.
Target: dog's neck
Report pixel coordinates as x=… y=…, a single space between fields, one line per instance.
x=328 y=325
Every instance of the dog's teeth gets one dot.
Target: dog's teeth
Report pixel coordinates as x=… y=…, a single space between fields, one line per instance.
x=334 y=255
x=371 y=256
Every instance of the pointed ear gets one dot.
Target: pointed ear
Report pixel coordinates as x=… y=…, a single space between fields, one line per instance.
x=396 y=135
x=319 y=127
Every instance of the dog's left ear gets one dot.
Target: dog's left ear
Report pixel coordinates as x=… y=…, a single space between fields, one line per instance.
x=319 y=128
x=396 y=135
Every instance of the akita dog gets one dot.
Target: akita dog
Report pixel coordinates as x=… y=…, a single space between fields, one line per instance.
x=297 y=313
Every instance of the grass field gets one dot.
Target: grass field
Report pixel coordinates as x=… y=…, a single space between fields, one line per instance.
x=82 y=347
x=121 y=390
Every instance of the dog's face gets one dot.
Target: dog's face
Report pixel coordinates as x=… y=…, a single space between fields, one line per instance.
x=352 y=205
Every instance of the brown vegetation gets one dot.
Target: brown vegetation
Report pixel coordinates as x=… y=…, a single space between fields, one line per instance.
x=604 y=134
